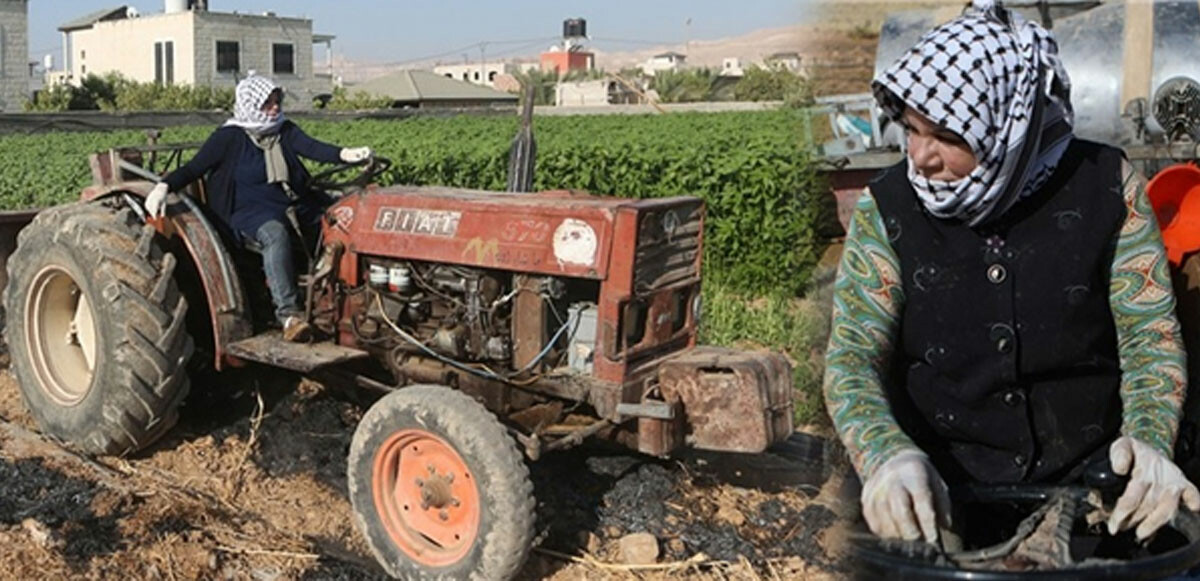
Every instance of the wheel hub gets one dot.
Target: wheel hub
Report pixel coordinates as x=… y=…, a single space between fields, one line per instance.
x=426 y=497
x=62 y=336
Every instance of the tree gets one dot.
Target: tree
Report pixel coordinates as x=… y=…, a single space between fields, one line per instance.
x=114 y=92
x=760 y=84
x=343 y=100
x=543 y=85
x=686 y=86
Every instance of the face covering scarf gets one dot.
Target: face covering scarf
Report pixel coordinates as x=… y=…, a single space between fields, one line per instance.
x=996 y=80
x=249 y=97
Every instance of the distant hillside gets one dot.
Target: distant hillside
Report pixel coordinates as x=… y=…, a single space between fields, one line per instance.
x=750 y=48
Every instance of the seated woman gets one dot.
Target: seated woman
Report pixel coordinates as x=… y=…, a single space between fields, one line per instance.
x=254 y=178
x=1002 y=311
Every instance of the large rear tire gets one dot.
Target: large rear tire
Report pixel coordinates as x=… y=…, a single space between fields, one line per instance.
x=439 y=489
x=96 y=328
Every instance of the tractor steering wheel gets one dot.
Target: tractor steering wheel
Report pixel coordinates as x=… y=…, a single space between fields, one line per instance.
x=328 y=180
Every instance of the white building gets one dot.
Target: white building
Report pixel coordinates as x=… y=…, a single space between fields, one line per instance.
x=482 y=73
x=732 y=67
x=784 y=61
x=593 y=93
x=14 y=54
x=667 y=61
x=188 y=44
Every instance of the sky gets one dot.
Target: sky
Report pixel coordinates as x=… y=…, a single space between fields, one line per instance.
x=396 y=31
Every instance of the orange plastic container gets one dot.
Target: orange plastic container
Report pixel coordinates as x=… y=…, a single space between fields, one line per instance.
x=1175 y=195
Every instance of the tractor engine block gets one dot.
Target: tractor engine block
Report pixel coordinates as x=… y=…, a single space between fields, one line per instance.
x=461 y=313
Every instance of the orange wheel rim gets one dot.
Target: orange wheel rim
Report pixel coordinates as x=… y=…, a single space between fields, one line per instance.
x=426 y=497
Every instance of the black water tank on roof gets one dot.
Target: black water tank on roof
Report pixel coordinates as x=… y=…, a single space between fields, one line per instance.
x=574 y=28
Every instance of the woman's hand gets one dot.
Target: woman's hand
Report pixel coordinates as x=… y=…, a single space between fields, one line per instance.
x=355 y=154
x=1155 y=488
x=156 y=201
x=905 y=498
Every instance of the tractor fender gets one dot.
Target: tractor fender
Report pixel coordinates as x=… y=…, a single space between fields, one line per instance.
x=227 y=305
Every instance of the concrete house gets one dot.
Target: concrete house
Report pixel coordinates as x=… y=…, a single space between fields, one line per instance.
x=14 y=54
x=594 y=93
x=189 y=44
x=483 y=74
x=667 y=61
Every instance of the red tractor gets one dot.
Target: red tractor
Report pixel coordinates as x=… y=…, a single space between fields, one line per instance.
x=496 y=326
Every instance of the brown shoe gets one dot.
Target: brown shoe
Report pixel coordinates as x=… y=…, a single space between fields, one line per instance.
x=296 y=330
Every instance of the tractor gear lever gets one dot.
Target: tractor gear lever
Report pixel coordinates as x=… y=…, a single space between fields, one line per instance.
x=156 y=202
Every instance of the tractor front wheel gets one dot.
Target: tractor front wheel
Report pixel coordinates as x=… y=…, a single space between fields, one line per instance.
x=439 y=489
x=96 y=328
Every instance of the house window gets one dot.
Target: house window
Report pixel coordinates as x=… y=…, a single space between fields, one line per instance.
x=449 y=76
x=476 y=75
x=284 y=58
x=466 y=76
x=228 y=56
x=491 y=76
x=164 y=62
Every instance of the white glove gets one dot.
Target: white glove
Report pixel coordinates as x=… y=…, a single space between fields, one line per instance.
x=905 y=498
x=1155 y=488
x=156 y=202
x=355 y=154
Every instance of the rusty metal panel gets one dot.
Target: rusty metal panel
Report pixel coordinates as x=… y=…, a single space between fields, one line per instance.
x=546 y=233
x=668 y=246
x=658 y=437
x=528 y=321
x=733 y=401
x=272 y=349
x=11 y=223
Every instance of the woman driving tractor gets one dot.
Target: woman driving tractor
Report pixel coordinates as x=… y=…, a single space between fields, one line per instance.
x=255 y=180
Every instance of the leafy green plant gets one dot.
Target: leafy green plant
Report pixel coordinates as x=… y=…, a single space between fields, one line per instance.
x=343 y=100
x=759 y=84
x=113 y=92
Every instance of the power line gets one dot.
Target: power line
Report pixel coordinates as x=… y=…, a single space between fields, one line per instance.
x=467 y=48
x=635 y=41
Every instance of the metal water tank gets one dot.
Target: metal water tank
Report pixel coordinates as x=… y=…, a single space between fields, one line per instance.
x=575 y=28
x=173 y=6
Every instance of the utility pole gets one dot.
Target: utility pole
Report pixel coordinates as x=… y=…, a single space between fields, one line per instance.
x=687 y=37
x=482 y=63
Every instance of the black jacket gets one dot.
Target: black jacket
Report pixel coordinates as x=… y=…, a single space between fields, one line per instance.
x=218 y=157
x=1007 y=368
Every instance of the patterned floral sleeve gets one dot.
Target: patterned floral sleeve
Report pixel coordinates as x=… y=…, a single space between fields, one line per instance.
x=867 y=301
x=1149 y=343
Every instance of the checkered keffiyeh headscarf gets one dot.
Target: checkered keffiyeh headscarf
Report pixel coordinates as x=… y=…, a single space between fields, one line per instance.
x=249 y=97
x=995 y=79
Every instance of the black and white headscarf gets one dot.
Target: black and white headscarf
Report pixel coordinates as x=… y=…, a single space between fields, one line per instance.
x=996 y=80
x=249 y=96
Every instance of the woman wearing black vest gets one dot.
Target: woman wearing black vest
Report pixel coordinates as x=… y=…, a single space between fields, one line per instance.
x=1002 y=311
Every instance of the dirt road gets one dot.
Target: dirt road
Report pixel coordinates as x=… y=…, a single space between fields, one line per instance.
x=251 y=485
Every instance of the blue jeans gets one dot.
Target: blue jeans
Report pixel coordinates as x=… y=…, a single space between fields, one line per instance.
x=276 y=242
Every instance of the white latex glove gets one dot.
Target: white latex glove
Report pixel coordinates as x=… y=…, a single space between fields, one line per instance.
x=905 y=498
x=355 y=154
x=156 y=202
x=1155 y=488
